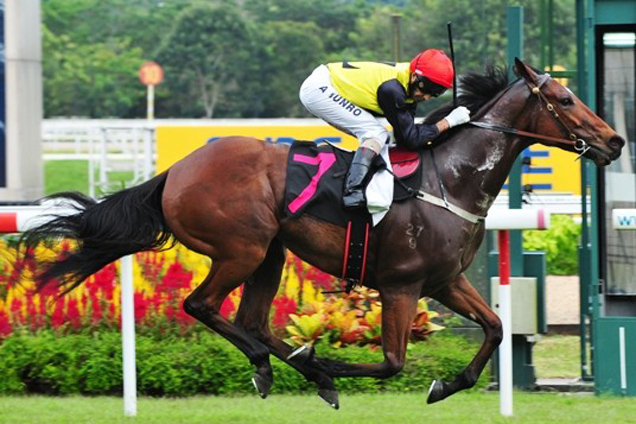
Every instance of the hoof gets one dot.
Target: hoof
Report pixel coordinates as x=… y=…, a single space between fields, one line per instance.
x=435 y=392
x=329 y=396
x=262 y=385
x=302 y=354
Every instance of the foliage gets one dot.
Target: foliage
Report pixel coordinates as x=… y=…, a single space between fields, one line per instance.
x=202 y=363
x=212 y=57
x=246 y=58
x=90 y=79
x=560 y=243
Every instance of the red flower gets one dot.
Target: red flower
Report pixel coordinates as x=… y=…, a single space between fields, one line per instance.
x=141 y=307
x=5 y=324
x=283 y=307
x=176 y=278
x=227 y=308
x=57 y=319
x=73 y=315
x=97 y=309
x=16 y=311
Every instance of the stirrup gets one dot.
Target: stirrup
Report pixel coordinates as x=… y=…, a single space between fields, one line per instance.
x=354 y=200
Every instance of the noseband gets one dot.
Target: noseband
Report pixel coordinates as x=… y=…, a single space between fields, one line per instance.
x=579 y=144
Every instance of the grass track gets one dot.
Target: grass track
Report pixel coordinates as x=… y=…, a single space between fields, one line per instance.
x=464 y=408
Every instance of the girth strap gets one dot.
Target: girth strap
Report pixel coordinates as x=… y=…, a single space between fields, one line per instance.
x=468 y=216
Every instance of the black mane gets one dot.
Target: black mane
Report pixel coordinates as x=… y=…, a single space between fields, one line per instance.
x=475 y=90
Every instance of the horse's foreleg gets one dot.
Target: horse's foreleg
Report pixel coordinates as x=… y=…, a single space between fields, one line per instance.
x=461 y=297
x=399 y=306
x=204 y=304
x=253 y=314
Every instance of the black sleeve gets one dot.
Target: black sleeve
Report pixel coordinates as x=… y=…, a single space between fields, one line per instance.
x=408 y=134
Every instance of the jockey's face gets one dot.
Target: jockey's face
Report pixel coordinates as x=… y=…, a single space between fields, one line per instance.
x=416 y=94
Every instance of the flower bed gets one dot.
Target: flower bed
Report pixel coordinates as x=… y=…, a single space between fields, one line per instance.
x=300 y=313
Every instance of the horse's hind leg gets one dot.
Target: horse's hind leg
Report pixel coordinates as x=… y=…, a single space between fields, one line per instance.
x=205 y=302
x=399 y=305
x=253 y=316
x=461 y=297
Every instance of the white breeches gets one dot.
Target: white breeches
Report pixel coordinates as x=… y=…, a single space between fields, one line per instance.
x=320 y=98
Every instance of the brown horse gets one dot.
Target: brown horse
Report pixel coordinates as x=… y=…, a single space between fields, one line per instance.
x=225 y=201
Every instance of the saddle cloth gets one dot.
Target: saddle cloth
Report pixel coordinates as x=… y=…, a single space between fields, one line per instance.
x=316 y=174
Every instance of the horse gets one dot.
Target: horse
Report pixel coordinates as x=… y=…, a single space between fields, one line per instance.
x=225 y=201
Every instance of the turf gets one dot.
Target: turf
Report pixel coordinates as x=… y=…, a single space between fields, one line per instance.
x=72 y=175
x=464 y=408
x=557 y=356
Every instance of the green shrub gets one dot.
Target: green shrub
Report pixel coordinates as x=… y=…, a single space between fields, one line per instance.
x=560 y=243
x=201 y=364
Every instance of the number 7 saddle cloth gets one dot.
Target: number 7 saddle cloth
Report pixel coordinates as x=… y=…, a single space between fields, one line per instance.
x=316 y=175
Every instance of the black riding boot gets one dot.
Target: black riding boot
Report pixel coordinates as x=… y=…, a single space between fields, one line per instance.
x=357 y=179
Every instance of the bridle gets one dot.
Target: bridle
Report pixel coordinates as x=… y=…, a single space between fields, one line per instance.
x=577 y=143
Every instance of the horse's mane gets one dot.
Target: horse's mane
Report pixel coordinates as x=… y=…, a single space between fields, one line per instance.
x=475 y=90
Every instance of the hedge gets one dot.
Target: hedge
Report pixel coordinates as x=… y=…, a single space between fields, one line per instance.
x=201 y=364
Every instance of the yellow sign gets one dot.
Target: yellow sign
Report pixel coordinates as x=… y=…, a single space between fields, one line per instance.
x=551 y=171
x=174 y=143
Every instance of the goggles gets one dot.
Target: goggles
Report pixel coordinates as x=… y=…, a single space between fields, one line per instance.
x=427 y=86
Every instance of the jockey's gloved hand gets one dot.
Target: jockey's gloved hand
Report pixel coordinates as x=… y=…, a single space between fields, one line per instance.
x=460 y=115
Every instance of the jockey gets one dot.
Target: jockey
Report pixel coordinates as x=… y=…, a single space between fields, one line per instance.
x=349 y=96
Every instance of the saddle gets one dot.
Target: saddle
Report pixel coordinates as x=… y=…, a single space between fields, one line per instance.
x=314 y=186
x=316 y=173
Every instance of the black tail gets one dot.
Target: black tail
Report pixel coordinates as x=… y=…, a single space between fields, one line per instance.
x=122 y=223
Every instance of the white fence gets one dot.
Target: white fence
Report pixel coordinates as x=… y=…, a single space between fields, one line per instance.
x=108 y=146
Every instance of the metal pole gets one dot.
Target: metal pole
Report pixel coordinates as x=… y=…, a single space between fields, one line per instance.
x=515 y=49
x=584 y=254
x=128 y=336
x=396 y=36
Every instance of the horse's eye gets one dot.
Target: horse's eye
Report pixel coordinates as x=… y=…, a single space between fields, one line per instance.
x=566 y=101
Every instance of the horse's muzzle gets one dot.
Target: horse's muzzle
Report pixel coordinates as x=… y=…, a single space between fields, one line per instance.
x=616 y=143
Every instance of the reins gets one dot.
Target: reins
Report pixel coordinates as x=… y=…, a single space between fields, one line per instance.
x=579 y=144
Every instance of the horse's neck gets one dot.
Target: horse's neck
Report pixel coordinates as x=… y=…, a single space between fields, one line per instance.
x=474 y=163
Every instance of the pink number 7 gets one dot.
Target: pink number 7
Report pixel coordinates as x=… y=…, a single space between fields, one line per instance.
x=324 y=161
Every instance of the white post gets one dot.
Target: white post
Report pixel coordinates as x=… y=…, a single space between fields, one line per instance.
x=150 y=111
x=505 y=351
x=148 y=153
x=128 y=336
x=103 y=162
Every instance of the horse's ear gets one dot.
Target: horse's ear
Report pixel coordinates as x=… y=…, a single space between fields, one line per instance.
x=523 y=71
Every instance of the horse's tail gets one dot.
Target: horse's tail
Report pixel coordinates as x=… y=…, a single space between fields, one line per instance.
x=122 y=223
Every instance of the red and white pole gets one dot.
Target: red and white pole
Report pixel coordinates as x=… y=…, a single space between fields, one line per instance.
x=504 y=220
x=505 y=314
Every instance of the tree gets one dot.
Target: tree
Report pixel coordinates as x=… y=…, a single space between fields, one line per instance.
x=209 y=60
x=293 y=50
x=95 y=80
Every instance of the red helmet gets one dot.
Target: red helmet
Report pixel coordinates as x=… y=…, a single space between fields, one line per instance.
x=434 y=65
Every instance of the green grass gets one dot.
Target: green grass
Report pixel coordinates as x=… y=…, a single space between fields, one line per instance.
x=557 y=356
x=72 y=175
x=378 y=408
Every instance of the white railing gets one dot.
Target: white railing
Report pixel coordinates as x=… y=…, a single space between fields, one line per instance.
x=106 y=148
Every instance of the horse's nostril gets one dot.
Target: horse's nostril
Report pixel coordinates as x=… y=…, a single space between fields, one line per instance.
x=616 y=142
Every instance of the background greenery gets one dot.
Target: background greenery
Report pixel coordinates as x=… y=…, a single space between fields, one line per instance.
x=247 y=58
x=202 y=363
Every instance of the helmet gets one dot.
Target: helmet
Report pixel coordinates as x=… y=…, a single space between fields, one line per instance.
x=435 y=66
